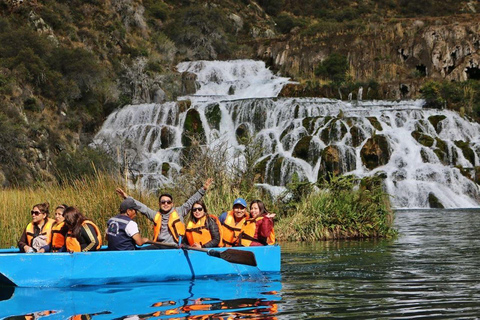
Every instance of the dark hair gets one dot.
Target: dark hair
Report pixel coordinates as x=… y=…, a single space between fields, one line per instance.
x=61 y=206
x=74 y=220
x=43 y=207
x=165 y=195
x=200 y=202
x=261 y=206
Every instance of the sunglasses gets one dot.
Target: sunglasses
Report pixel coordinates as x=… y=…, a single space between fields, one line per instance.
x=166 y=201
x=35 y=212
x=197 y=209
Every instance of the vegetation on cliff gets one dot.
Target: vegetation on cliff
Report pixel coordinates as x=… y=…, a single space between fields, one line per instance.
x=65 y=65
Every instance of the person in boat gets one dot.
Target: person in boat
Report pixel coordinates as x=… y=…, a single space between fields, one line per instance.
x=122 y=232
x=232 y=222
x=59 y=230
x=37 y=236
x=203 y=229
x=168 y=220
x=83 y=235
x=258 y=229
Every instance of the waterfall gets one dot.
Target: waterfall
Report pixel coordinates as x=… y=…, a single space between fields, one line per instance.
x=426 y=157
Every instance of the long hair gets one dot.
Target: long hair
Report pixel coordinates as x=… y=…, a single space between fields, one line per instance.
x=261 y=207
x=74 y=220
x=200 y=202
x=43 y=207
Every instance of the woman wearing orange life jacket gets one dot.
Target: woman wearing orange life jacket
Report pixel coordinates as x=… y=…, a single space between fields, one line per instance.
x=203 y=230
x=232 y=222
x=38 y=234
x=59 y=229
x=258 y=230
x=83 y=235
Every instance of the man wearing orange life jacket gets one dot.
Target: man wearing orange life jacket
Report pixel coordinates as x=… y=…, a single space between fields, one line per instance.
x=168 y=220
x=232 y=222
x=37 y=236
x=258 y=230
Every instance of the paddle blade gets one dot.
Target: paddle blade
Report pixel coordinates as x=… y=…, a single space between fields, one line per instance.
x=239 y=256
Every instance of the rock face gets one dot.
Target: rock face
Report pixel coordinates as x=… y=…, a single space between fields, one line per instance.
x=400 y=55
x=375 y=152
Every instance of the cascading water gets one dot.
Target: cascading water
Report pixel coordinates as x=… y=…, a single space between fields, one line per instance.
x=427 y=157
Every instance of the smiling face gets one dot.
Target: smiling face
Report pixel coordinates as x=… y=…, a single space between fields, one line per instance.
x=238 y=211
x=197 y=211
x=254 y=210
x=166 y=203
x=37 y=215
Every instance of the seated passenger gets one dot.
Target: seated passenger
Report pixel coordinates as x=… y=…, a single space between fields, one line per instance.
x=258 y=230
x=122 y=232
x=203 y=229
x=59 y=230
x=232 y=222
x=37 y=236
x=83 y=235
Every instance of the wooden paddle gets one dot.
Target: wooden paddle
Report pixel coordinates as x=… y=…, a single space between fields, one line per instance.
x=230 y=255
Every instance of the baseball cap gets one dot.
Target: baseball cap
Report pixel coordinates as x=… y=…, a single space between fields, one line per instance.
x=240 y=201
x=128 y=203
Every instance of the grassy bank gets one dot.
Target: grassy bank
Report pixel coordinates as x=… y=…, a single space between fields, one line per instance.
x=341 y=209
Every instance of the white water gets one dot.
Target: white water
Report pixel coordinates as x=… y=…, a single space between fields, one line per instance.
x=149 y=135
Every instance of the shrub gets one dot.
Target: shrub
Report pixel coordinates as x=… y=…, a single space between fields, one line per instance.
x=334 y=67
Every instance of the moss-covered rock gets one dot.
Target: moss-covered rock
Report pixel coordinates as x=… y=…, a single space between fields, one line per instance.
x=167 y=136
x=287 y=130
x=435 y=120
x=375 y=152
x=434 y=202
x=193 y=128
x=334 y=131
x=213 y=115
x=468 y=153
x=357 y=136
x=441 y=150
x=189 y=85
x=243 y=134
x=165 y=168
x=375 y=123
x=274 y=175
x=306 y=150
x=423 y=139
x=336 y=162
x=183 y=105
x=260 y=169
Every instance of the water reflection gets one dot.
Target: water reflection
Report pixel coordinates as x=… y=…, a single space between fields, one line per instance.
x=197 y=299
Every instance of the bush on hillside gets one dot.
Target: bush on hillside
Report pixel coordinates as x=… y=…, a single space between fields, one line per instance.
x=334 y=68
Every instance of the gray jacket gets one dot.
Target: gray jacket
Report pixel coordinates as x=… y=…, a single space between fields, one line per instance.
x=165 y=235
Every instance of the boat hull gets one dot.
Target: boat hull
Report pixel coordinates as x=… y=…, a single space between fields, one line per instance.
x=108 y=267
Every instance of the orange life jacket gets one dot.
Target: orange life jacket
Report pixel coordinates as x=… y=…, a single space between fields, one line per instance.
x=58 y=236
x=46 y=230
x=248 y=233
x=72 y=243
x=231 y=230
x=175 y=225
x=199 y=233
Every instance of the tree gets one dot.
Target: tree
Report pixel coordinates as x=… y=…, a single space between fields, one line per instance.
x=334 y=67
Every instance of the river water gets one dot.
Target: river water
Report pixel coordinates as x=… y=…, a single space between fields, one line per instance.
x=430 y=271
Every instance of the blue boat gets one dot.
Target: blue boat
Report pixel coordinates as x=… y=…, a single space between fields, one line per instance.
x=114 y=267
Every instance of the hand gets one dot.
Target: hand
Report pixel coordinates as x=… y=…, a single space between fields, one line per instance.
x=28 y=249
x=270 y=215
x=41 y=250
x=196 y=245
x=122 y=193
x=207 y=183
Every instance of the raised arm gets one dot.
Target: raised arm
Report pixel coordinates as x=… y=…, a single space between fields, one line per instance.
x=183 y=210
x=146 y=211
